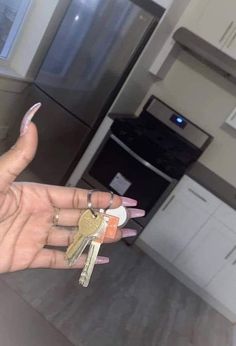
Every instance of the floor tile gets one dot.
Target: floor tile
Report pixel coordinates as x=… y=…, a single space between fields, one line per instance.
x=131 y=301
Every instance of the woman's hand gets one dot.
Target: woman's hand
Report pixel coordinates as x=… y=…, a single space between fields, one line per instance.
x=27 y=211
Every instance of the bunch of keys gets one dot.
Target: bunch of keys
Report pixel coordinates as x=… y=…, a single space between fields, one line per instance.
x=93 y=227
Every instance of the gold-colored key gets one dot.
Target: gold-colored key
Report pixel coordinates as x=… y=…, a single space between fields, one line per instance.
x=89 y=225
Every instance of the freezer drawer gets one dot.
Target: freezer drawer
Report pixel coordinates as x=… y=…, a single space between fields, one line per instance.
x=61 y=139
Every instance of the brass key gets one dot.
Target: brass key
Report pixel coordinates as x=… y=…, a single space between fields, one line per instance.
x=89 y=225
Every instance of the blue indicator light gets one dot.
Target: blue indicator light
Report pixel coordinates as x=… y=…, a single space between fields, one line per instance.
x=179 y=120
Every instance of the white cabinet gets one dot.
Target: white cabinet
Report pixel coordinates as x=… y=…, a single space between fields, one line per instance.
x=172 y=228
x=208 y=252
x=217 y=23
x=179 y=219
x=223 y=286
x=195 y=234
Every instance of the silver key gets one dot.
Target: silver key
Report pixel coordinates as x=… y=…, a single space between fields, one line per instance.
x=90 y=263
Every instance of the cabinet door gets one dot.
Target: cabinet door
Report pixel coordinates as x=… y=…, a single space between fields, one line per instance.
x=223 y=286
x=180 y=218
x=216 y=24
x=173 y=227
x=208 y=252
x=227 y=215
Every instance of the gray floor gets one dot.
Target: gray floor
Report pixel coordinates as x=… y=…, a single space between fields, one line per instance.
x=21 y=325
x=131 y=301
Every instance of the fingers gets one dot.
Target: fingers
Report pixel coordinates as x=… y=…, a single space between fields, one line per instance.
x=74 y=198
x=121 y=233
x=134 y=213
x=55 y=259
x=63 y=237
x=13 y=162
x=70 y=217
x=60 y=237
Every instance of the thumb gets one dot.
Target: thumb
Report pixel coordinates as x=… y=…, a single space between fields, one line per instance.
x=14 y=161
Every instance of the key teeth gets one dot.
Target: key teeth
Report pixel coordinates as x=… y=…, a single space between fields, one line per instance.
x=70 y=263
x=83 y=277
x=83 y=282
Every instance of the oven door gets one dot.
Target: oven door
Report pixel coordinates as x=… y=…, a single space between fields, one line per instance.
x=116 y=167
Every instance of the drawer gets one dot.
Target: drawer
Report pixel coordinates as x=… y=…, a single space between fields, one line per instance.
x=196 y=195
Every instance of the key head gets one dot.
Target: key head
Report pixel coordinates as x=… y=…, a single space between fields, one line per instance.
x=89 y=224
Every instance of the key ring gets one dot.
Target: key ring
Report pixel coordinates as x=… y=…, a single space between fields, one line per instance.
x=111 y=200
x=89 y=202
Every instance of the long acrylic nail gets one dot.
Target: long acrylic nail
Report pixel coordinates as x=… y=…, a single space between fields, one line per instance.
x=102 y=260
x=133 y=213
x=129 y=202
x=28 y=117
x=128 y=232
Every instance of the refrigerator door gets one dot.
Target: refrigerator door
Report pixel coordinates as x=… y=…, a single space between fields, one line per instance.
x=93 y=49
x=61 y=139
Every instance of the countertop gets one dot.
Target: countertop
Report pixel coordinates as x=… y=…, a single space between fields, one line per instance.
x=212 y=182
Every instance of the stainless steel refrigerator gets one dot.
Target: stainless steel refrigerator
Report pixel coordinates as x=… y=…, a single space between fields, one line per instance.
x=93 y=52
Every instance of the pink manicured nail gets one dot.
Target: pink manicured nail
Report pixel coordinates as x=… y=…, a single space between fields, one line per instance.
x=133 y=213
x=129 y=202
x=28 y=117
x=102 y=260
x=128 y=232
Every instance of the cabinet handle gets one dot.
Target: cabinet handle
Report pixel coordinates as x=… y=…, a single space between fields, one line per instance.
x=230 y=253
x=231 y=41
x=168 y=203
x=197 y=195
x=226 y=31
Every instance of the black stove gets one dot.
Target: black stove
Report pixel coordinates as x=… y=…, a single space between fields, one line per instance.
x=163 y=144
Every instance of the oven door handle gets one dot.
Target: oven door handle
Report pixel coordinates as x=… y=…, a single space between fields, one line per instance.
x=140 y=159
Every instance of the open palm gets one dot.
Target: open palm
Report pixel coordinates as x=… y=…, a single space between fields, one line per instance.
x=27 y=211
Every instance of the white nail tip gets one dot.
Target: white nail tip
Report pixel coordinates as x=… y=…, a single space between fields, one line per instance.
x=31 y=112
x=28 y=117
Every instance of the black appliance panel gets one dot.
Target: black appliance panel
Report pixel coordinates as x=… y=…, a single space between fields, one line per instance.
x=146 y=185
x=156 y=143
